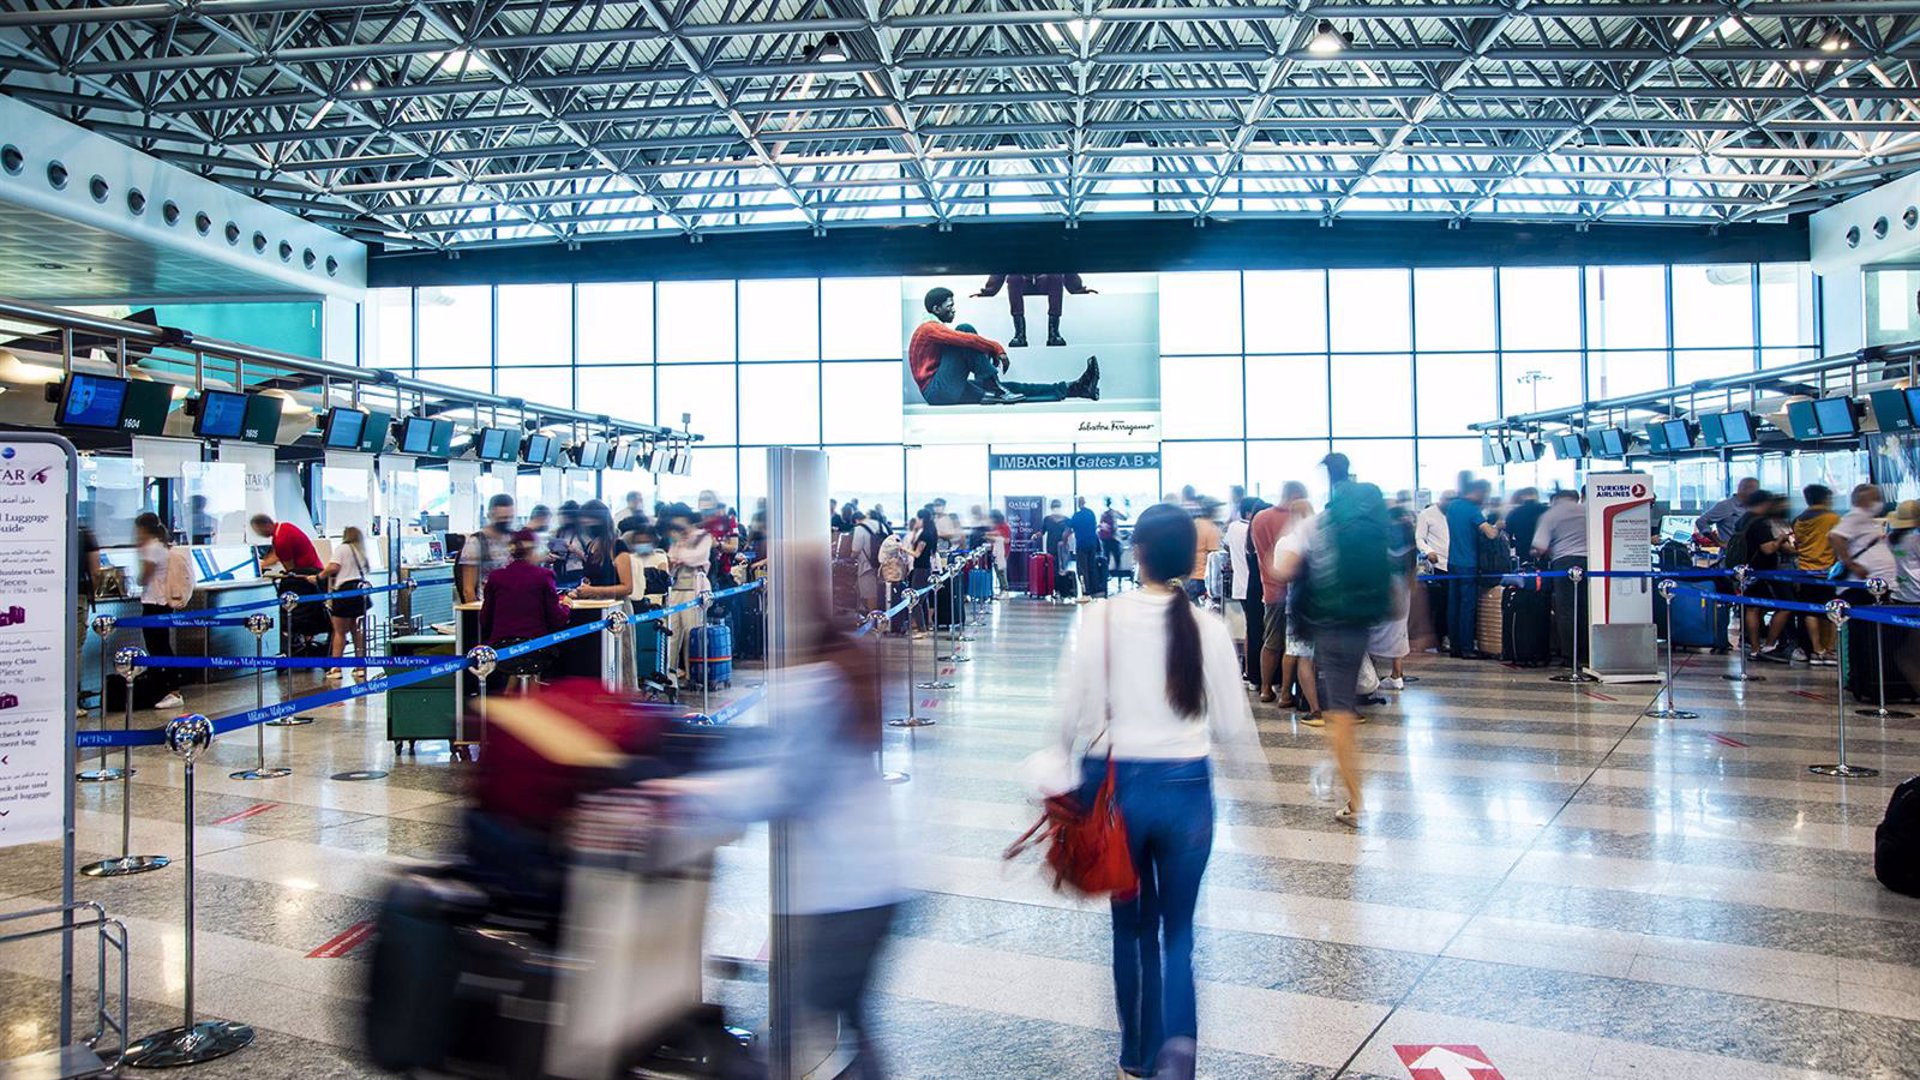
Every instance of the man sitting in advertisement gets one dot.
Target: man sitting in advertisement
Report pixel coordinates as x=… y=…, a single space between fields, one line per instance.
x=955 y=366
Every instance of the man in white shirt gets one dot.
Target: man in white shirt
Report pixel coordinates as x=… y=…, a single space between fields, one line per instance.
x=1859 y=539
x=1430 y=538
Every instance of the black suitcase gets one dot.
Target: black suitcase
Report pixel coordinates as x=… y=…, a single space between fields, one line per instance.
x=410 y=983
x=1526 y=626
x=1863 y=662
x=1066 y=585
x=1097 y=578
x=750 y=628
x=147 y=689
x=1896 y=841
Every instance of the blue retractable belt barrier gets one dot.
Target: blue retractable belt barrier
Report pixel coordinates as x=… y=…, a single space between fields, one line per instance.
x=732 y=710
x=195 y=618
x=140 y=622
x=286 y=662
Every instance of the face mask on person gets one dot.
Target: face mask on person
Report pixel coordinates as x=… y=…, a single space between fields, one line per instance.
x=643 y=548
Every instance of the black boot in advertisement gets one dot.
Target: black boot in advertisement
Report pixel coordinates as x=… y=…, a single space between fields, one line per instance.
x=1019 y=333
x=1054 y=340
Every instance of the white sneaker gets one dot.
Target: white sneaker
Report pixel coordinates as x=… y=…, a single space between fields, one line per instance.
x=1391 y=683
x=171 y=701
x=335 y=674
x=1799 y=655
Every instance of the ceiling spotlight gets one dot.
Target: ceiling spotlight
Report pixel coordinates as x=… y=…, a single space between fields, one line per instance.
x=830 y=51
x=363 y=84
x=1326 y=40
x=1837 y=41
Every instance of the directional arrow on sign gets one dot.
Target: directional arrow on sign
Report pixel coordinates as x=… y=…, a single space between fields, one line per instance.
x=1447 y=1063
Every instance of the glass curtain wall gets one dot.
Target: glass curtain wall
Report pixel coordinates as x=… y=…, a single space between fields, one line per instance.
x=1262 y=372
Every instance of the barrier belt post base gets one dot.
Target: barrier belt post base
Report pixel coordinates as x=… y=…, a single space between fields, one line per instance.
x=1669 y=711
x=194 y=1041
x=260 y=771
x=1838 y=611
x=126 y=661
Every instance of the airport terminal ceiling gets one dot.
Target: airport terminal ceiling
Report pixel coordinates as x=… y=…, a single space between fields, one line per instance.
x=431 y=126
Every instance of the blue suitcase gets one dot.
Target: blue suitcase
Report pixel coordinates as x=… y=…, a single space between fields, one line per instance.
x=980 y=584
x=710 y=655
x=1692 y=618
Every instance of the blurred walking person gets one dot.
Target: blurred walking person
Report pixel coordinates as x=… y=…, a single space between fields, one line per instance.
x=1153 y=684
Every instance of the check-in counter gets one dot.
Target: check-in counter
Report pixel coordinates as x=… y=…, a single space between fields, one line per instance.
x=584 y=657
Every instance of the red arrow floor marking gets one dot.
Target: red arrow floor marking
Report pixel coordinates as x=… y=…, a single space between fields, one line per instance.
x=1724 y=741
x=946 y=671
x=252 y=811
x=343 y=942
x=930 y=703
x=1456 y=1062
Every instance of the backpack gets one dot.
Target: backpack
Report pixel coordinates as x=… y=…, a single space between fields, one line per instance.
x=1735 y=553
x=1347 y=565
x=895 y=563
x=1896 y=841
x=1496 y=557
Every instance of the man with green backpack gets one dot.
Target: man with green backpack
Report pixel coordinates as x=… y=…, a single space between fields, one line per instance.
x=1348 y=577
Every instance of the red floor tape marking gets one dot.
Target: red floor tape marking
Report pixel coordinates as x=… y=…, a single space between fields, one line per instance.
x=1809 y=695
x=252 y=811
x=343 y=942
x=1598 y=696
x=930 y=703
x=1724 y=741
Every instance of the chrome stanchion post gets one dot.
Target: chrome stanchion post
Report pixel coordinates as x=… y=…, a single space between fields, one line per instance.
x=103 y=626
x=913 y=719
x=706 y=643
x=934 y=682
x=1740 y=672
x=126 y=662
x=1839 y=611
x=194 y=1041
x=258 y=624
x=1878 y=587
x=877 y=619
x=288 y=602
x=615 y=624
x=1669 y=712
x=1575 y=673
x=481 y=660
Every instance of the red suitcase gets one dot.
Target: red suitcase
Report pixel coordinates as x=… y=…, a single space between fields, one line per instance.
x=1040 y=575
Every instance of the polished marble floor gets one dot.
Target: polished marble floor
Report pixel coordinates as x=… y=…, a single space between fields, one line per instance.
x=1546 y=875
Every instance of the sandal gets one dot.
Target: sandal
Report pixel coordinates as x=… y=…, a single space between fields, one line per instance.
x=1284 y=702
x=1267 y=697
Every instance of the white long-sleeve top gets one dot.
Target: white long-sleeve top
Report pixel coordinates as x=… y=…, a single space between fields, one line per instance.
x=1431 y=536
x=1134 y=678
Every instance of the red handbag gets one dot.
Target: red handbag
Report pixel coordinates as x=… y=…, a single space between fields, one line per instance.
x=1086 y=846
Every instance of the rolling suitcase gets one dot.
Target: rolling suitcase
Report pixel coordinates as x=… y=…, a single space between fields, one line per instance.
x=408 y=1020
x=1526 y=625
x=1490 y=622
x=1066 y=584
x=1692 y=619
x=1097 y=580
x=980 y=584
x=1040 y=575
x=710 y=655
x=1863 y=663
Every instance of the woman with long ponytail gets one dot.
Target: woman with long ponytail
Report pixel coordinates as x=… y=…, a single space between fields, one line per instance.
x=1155 y=687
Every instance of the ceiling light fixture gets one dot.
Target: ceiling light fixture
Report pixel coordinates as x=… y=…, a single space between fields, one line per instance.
x=1326 y=40
x=830 y=51
x=1836 y=41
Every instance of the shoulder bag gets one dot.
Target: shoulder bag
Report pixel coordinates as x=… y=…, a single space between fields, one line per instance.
x=1087 y=845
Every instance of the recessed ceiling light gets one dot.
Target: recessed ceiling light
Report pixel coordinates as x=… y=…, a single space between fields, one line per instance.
x=50 y=266
x=1326 y=40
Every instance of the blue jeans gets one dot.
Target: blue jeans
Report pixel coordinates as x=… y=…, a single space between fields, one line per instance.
x=1463 y=610
x=1168 y=809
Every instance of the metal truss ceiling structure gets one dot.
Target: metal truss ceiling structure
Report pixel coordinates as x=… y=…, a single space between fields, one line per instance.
x=444 y=123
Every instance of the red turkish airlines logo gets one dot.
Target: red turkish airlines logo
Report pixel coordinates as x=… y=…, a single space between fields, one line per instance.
x=1639 y=490
x=1455 y=1062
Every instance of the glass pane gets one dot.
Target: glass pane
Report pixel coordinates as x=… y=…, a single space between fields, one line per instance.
x=625 y=393
x=1535 y=381
x=1200 y=397
x=456 y=326
x=861 y=402
x=1385 y=463
x=1286 y=396
x=1626 y=307
x=1619 y=373
x=1200 y=313
x=538 y=386
x=780 y=405
x=1370 y=310
x=1441 y=461
x=1713 y=306
x=1786 y=305
x=1286 y=311
x=1270 y=465
x=860 y=318
x=1210 y=468
x=1771 y=358
x=874 y=476
x=1540 y=308
x=386 y=329
x=715 y=469
x=1372 y=395
x=707 y=392
x=957 y=474
x=1456 y=391
x=1453 y=310
x=781 y=320
x=478 y=379
x=696 y=321
x=753 y=484
x=1892 y=314
x=536 y=324
x=1689 y=365
x=616 y=323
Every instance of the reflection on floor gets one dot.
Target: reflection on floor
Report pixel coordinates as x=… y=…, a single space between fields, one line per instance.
x=1546 y=876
